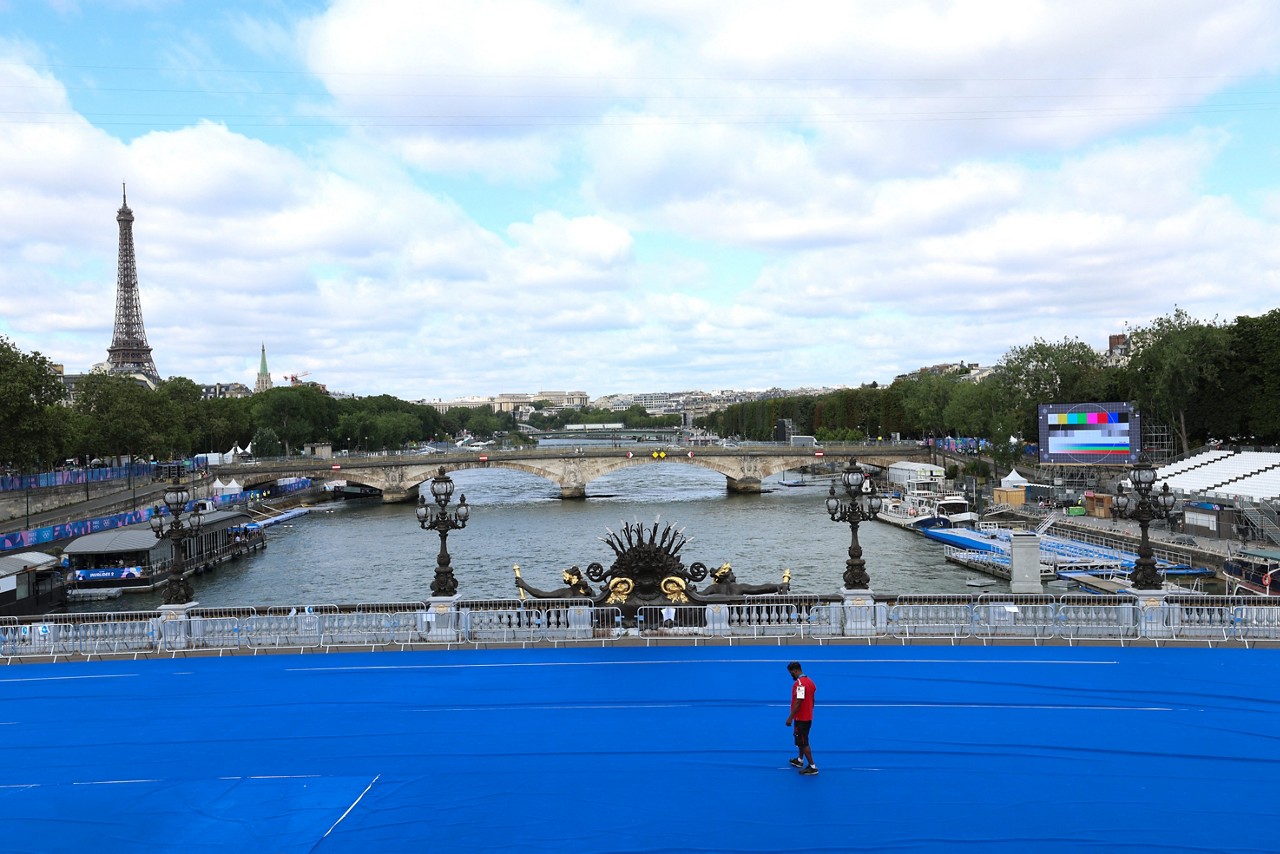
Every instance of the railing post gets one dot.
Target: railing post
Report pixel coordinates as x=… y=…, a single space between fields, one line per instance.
x=440 y=622
x=863 y=618
x=175 y=626
x=1156 y=615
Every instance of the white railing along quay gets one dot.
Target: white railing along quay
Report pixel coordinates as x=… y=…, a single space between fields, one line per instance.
x=980 y=618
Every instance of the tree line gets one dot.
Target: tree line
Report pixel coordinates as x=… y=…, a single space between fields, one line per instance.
x=1202 y=379
x=114 y=416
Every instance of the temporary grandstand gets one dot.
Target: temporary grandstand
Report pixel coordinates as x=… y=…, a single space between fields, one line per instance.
x=1253 y=475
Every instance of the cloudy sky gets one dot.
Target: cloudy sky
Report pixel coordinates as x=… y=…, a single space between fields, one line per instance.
x=429 y=198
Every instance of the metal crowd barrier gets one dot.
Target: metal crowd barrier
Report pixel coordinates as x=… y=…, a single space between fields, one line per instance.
x=1012 y=615
x=1092 y=618
x=977 y=618
x=941 y=616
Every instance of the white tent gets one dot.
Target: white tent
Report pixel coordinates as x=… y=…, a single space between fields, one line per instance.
x=1013 y=480
x=230 y=488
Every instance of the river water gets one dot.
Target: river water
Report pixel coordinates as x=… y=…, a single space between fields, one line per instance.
x=365 y=551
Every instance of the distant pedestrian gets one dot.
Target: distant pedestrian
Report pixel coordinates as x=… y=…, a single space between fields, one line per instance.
x=801 y=717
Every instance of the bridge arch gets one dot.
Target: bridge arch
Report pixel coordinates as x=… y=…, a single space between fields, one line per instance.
x=399 y=477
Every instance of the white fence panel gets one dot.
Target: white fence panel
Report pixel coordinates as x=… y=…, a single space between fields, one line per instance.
x=275 y=631
x=135 y=636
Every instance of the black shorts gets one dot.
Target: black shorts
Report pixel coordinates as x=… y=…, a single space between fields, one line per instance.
x=802 y=732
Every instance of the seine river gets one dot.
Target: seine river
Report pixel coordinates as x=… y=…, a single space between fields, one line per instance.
x=365 y=551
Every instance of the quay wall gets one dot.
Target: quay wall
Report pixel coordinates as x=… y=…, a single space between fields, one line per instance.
x=13 y=505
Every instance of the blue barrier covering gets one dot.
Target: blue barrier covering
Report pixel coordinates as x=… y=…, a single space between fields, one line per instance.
x=1007 y=749
x=65 y=531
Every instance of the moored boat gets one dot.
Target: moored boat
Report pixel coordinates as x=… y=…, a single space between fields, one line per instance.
x=1256 y=570
x=921 y=506
x=135 y=560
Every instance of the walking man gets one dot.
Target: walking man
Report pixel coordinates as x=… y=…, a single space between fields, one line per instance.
x=801 y=716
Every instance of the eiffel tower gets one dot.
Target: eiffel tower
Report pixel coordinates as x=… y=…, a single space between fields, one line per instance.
x=129 y=352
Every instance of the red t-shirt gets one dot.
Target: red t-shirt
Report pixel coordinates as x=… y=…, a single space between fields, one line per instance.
x=803 y=690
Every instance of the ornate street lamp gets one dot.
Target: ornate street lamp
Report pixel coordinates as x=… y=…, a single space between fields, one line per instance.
x=177 y=531
x=1143 y=508
x=864 y=504
x=442 y=522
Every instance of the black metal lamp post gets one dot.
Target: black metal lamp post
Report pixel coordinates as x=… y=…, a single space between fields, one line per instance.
x=177 y=531
x=442 y=522
x=1143 y=508
x=864 y=504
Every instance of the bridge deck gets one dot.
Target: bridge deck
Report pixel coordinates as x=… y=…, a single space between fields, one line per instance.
x=398 y=475
x=678 y=748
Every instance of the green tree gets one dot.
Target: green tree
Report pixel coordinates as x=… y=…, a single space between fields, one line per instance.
x=1250 y=403
x=924 y=401
x=266 y=443
x=177 y=412
x=115 y=415
x=297 y=415
x=226 y=422
x=1174 y=363
x=33 y=425
x=1067 y=372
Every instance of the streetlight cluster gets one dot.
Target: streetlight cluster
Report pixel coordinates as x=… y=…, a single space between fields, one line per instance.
x=1144 y=508
x=863 y=505
x=440 y=520
x=177 y=530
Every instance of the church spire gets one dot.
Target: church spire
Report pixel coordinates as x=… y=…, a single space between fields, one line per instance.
x=264 y=378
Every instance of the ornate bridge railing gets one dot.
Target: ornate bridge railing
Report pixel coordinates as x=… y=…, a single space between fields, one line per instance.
x=983 y=618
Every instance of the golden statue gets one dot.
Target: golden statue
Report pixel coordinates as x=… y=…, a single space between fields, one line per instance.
x=673 y=587
x=619 y=591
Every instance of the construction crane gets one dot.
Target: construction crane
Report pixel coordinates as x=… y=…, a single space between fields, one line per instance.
x=296 y=379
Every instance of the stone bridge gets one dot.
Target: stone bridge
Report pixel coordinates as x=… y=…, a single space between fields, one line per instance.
x=398 y=476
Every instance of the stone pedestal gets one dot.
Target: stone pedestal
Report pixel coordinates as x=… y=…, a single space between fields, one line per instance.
x=1024 y=562
x=863 y=617
x=1155 y=616
x=173 y=627
x=441 y=622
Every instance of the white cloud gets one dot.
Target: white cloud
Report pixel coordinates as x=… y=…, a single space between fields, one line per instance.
x=639 y=195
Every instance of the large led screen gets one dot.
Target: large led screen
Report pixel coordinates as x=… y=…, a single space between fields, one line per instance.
x=1106 y=434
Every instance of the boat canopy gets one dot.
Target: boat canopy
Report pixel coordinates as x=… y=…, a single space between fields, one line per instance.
x=15 y=563
x=140 y=538
x=117 y=540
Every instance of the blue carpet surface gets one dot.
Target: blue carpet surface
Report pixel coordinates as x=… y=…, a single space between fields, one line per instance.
x=645 y=750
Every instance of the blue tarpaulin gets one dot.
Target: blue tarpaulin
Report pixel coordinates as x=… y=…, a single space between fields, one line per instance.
x=637 y=749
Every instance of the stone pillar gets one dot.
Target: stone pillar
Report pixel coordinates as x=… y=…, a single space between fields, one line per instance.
x=744 y=485
x=573 y=492
x=863 y=617
x=1024 y=562
x=173 y=627
x=441 y=622
x=1156 y=617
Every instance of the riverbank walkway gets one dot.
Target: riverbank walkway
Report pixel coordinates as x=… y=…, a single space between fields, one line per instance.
x=660 y=749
